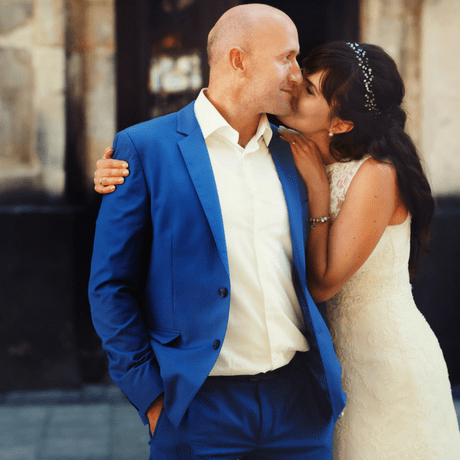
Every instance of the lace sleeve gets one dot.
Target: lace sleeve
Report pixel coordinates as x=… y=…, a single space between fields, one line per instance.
x=340 y=175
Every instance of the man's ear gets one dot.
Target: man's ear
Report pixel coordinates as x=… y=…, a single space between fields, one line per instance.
x=237 y=58
x=339 y=126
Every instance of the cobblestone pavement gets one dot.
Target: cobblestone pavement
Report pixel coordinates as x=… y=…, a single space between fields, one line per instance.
x=93 y=423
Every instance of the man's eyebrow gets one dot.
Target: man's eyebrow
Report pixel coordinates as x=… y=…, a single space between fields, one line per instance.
x=290 y=51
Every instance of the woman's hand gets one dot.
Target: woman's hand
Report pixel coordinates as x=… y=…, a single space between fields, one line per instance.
x=109 y=173
x=309 y=163
x=306 y=155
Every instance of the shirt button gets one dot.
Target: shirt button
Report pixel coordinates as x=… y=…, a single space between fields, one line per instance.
x=223 y=292
x=216 y=344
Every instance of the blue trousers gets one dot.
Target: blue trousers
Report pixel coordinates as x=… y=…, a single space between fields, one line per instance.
x=284 y=418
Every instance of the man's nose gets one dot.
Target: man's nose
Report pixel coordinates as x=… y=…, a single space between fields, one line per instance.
x=296 y=73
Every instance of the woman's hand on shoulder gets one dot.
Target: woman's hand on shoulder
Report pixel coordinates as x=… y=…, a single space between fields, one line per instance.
x=109 y=173
x=309 y=163
x=307 y=157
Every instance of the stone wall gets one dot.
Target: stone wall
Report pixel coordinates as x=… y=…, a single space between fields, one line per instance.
x=32 y=107
x=56 y=75
x=441 y=94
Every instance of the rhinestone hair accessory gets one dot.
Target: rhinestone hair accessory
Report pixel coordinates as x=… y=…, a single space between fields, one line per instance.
x=363 y=62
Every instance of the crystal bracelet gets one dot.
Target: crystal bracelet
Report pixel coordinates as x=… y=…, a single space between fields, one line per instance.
x=318 y=220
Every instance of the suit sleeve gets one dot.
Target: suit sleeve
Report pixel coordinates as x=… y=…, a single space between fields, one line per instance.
x=121 y=242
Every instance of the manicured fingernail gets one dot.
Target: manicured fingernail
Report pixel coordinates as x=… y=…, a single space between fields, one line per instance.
x=112 y=187
x=121 y=180
x=125 y=173
x=124 y=165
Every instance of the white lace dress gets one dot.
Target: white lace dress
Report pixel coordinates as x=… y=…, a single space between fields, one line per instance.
x=399 y=402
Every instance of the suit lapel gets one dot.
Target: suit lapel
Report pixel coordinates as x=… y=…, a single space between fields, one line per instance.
x=296 y=201
x=288 y=175
x=196 y=157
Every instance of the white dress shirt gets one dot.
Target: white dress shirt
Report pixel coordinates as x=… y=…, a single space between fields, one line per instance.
x=265 y=323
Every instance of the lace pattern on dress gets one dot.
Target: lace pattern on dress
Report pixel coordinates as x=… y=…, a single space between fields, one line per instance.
x=340 y=175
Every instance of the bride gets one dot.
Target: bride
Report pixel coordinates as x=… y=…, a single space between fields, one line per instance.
x=371 y=207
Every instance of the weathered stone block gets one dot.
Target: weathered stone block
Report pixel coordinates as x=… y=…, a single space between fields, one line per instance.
x=16 y=107
x=49 y=22
x=100 y=31
x=14 y=13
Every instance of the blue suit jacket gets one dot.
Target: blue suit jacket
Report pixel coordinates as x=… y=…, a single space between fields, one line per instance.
x=160 y=262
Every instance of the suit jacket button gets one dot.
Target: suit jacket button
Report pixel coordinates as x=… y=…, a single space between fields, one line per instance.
x=216 y=344
x=223 y=292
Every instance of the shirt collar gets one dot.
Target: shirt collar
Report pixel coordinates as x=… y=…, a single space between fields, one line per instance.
x=211 y=121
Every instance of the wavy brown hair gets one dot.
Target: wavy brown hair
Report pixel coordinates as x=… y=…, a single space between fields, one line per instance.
x=381 y=132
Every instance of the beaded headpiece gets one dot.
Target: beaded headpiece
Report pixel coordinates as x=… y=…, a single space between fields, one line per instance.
x=363 y=62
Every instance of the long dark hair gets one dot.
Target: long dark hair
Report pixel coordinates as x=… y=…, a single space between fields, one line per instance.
x=378 y=130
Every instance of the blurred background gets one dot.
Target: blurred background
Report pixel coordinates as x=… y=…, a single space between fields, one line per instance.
x=74 y=72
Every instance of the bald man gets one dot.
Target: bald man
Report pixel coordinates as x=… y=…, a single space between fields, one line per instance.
x=198 y=286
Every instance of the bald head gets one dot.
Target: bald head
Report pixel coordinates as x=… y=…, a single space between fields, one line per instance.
x=253 y=67
x=238 y=27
